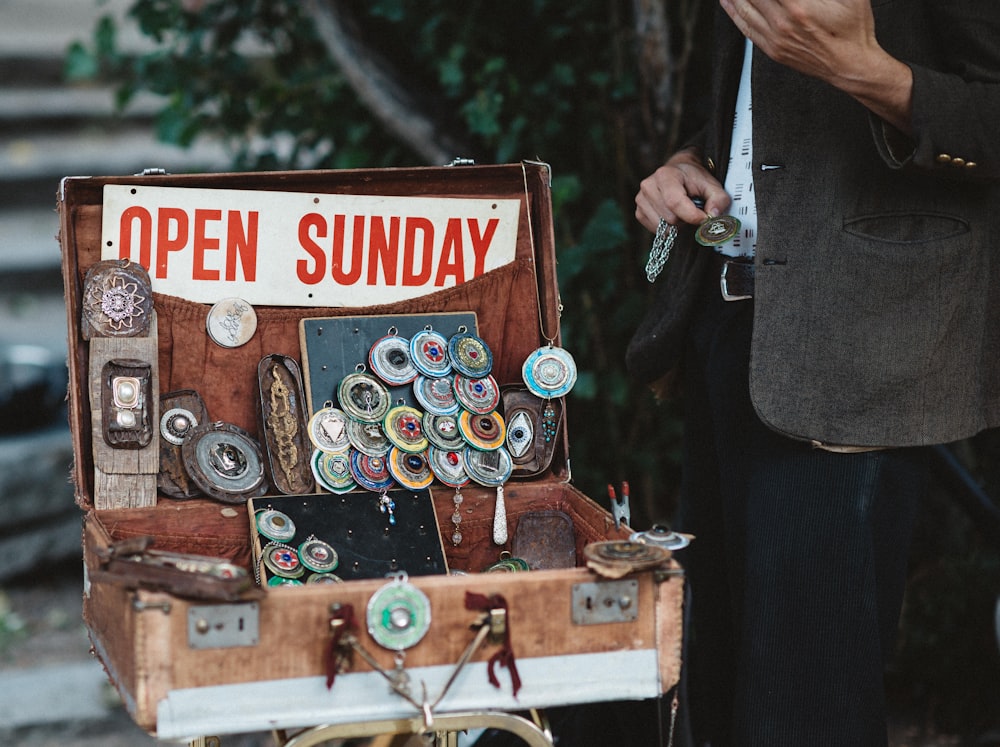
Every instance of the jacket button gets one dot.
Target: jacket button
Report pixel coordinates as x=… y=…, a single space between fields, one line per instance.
x=971 y=164
x=711 y=164
x=956 y=161
x=943 y=158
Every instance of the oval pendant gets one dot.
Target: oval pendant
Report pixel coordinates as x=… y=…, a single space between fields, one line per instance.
x=716 y=231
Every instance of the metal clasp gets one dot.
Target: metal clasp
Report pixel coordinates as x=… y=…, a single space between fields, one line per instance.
x=724 y=285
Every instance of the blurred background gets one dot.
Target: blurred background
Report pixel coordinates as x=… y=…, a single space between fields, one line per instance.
x=602 y=90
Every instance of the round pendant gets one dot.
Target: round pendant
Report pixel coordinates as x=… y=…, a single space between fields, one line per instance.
x=318 y=556
x=371 y=473
x=225 y=462
x=328 y=430
x=429 y=353
x=442 y=431
x=231 y=322
x=549 y=372
x=324 y=578
x=117 y=299
x=484 y=432
x=448 y=466
x=398 y=615
x=390 y=360
x=716 y=231
x=470 y=355
x=410 y=470
x=368 y=438
x=279 y=581
x=282 y=560
x=175 y=425
x=436 y=395
x=275 y=525
x=403 y=427
x=477 y=395
x=661 y=536
x=488 y=468
x=333 y=471
x=363 y=397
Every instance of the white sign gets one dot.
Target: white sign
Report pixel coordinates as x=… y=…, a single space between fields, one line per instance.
x=305 y=249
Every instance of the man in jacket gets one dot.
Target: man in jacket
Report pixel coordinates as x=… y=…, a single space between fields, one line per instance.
x=859 y=323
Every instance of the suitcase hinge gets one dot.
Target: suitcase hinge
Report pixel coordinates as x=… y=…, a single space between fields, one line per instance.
x=140 y=606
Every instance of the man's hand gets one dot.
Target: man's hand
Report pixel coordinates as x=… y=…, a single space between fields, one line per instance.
x=667 y=193
x=833 y=40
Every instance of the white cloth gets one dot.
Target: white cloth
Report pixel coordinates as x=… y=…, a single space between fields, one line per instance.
x=739 y=175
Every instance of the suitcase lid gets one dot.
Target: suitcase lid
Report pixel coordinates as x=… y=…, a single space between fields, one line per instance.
x=517 y=306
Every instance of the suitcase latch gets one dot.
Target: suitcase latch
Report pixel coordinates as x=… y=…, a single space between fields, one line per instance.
x=605 y=602
x=223 y=625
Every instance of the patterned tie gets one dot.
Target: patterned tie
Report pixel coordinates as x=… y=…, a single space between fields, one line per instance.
x=739 y=175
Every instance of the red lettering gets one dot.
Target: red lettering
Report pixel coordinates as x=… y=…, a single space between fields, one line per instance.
x=242 y=244
x=129 y=216
x=481 y=242
x=381 y=247
x=452 y=260
x=164 y=243
x=202 y=243
x=341 y=276
x=309 y=222
x=410 y=275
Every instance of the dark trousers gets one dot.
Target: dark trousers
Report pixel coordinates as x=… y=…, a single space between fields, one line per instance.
x=798 y=566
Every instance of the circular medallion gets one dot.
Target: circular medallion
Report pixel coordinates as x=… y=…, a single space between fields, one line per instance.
x=488 y=468
x=485 y=432
x=282 y=560
x=398 y=615
x=436 y=395
x=328 y=430
x=429 y=353
x=318 y=556
x=477 y=395
x=117 y=298
x=717 y=231
x=225 y=462
x=409 y=469
x=661 y=536
x=279 y=581
x=371 y=472
x=390 y=359
x=363 y=397
x=442 y=431
x=549 y=371
x=404 y=428
x=625 y=555
x=368 y=438
x=175 y=425
x=333 y=471
x=448 y=466
x=275 y=525
x=231 y=322
x=470 y=356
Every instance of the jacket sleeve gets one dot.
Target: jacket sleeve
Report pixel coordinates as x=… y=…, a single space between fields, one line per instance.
x=956 y=96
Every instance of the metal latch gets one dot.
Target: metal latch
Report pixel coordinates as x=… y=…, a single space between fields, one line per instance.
x=605 y=602
x=223 y=625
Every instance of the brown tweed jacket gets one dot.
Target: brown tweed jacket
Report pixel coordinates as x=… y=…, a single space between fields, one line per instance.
x=877 y=300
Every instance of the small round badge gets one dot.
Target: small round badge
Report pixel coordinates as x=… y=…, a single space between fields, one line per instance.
x=175 y=425
x=371 y=472
x=275 y=525
x=363 y=397
x=368 y=438
x=404 y=428
x=318 y=556
x=436 y=395
x=429 y=353
x=488 y=468
x=333 y=471
x=390 y=360
x=485 y=432
x=477 y=395
x=231 y=322
x=410 y=470
x=442 y=431
x=225 y=462
x=328 y=429
x=470 y=355
x=398 y=615
x=715 y=231
x=549 y=371
x=282 y=560
x=448 y=467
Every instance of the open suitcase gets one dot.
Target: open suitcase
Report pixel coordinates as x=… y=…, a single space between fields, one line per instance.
x=193 y=650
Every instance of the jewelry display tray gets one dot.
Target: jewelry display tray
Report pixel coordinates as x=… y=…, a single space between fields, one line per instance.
x=187 y=667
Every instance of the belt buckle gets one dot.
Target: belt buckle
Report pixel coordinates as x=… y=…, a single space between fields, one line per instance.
x=724 y=285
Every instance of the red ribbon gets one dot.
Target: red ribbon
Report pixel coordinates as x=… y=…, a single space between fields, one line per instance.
x=345 y=614
x=505 y=656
